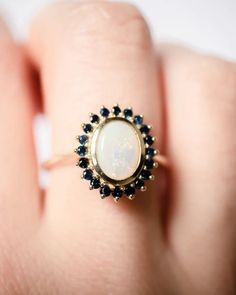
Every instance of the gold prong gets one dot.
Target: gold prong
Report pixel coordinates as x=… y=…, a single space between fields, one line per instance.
x=146 y=145
x=90 y=187
x=77 y=164
x=75 y=151
x=151 y=177
x=116 y=199
x=77 y=137
x=132 y=185
x=103 y=196
x=143 y=188
x=154 y=138
x=131 y=197
x=82 y=177
x=149 y=127
x=155 y=165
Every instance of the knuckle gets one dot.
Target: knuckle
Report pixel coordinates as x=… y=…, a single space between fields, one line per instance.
x=215 y=74
x=96 y=24
x=215 y=81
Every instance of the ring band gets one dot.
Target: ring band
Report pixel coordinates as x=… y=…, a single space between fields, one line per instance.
x=115 y=153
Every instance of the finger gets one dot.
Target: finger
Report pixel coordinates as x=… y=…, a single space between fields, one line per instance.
x=88 y=55
x=200 y=99
x=19 y=193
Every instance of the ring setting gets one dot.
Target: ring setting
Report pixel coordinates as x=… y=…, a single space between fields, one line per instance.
x=115 y=152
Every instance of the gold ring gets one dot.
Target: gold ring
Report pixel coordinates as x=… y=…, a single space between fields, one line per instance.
x=115 y=153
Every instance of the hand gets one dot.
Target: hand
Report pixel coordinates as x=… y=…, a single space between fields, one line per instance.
x=179 y=236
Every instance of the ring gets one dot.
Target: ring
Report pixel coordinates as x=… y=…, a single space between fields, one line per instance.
x=115 y=153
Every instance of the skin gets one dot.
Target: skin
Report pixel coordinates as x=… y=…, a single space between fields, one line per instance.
x=179 y=237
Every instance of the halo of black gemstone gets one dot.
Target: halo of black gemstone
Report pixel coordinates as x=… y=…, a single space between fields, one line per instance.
x=149 y=163
x=116 y=110
x=144 y=129
x=117 y=192
x=104 y=112
x=145 y=174
x=83 y=162
x=129 y=190
x=150 y=151
x=138 y=120
x=139 y=183
x=81 y=150
x=149 y=140
x=95 y=182
x=94 y=119
x=87 y=128
x=105 y=191
x=83 y=139
x=128 y=113
x=88 y=174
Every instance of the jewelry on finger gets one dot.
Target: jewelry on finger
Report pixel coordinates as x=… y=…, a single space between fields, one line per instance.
x=115 y=153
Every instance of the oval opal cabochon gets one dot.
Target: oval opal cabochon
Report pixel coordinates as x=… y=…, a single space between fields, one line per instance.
x=118 y=149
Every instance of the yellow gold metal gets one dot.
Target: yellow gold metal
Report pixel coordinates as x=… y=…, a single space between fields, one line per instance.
x=155 y=165
x=152 y=177
x=143 y=188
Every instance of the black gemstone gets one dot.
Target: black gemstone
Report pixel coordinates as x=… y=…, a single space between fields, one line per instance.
x=83 y=139
x=105 y=191
x=95 y=182
x=149 y=139
x=149 y=163
x=116 y=110
x=117 y=192
x=146 y=174
x=87 y=128
x=128 y=113
x=138 y=119
x=150 y=151
x=104 y=112
x=144 y=129
x=83 y=162
x=139 y=183
x=81 y=150
x=94 y=119
x=129 y=190
x=88 y=174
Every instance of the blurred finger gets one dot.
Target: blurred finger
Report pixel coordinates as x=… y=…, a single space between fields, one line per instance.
x=19 y=191
x=200 y=100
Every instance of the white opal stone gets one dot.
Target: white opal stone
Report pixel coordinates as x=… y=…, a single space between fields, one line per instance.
x=118 y=149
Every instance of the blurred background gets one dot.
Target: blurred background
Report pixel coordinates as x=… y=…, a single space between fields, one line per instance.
x=209 y=25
